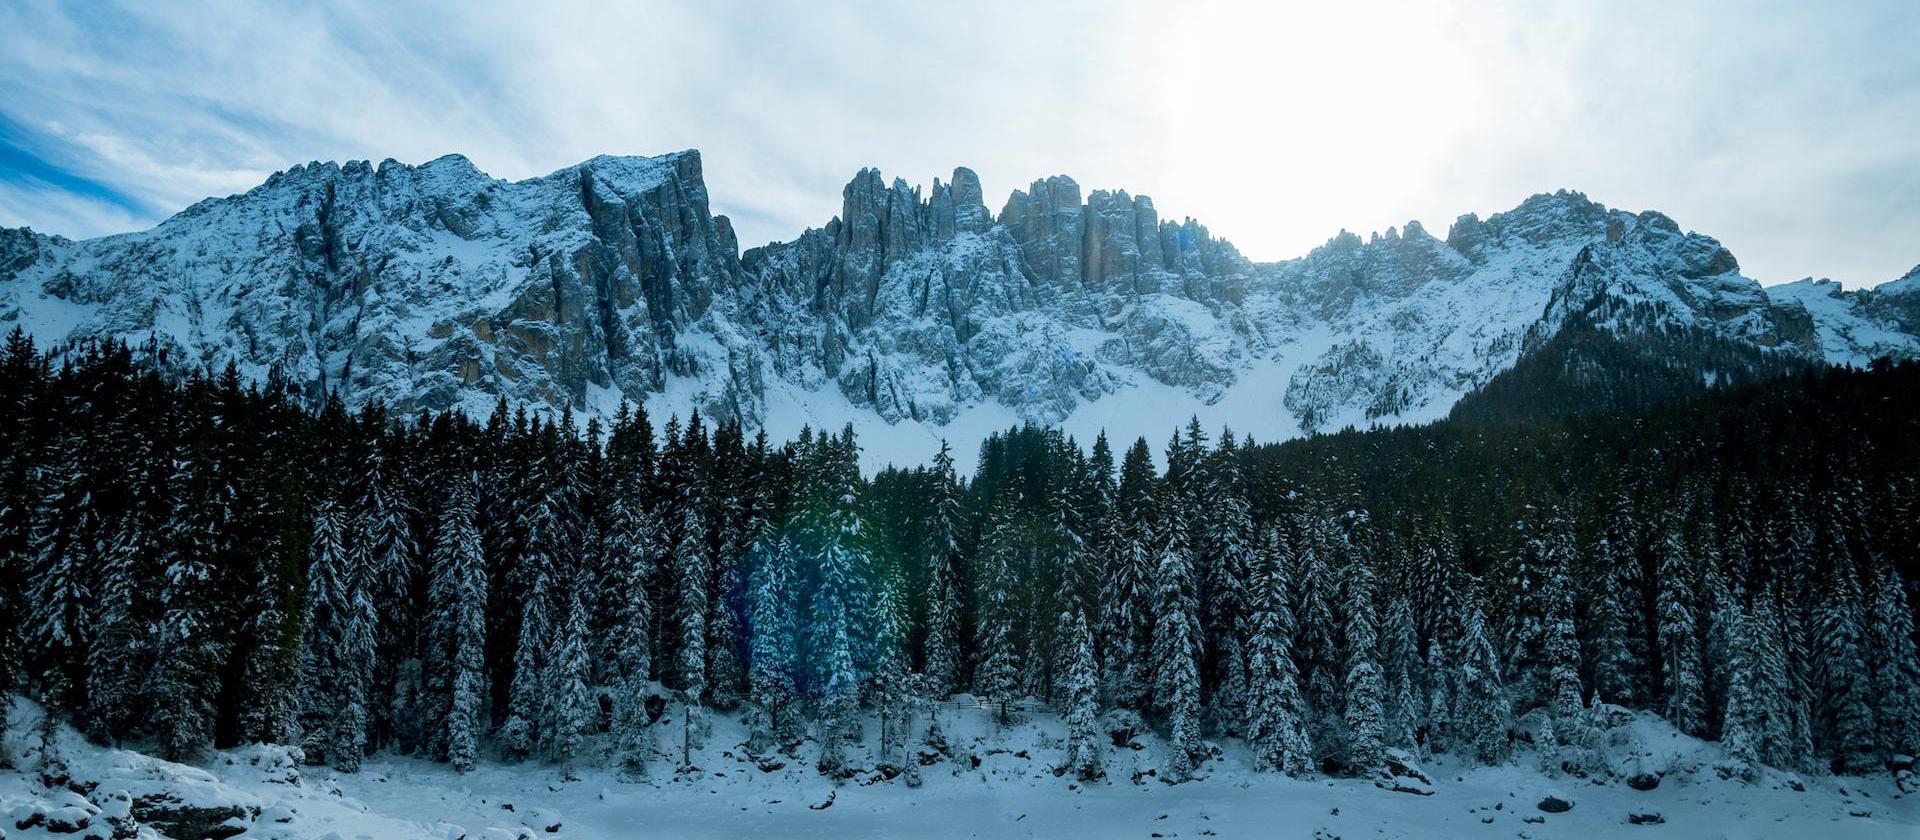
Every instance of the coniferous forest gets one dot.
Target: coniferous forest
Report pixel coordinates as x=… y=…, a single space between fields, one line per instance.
x=196 y=562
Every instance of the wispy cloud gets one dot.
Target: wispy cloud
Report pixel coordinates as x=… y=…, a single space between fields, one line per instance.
x=1792 y=132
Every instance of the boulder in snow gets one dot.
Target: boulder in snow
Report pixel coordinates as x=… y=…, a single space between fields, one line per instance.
x=544 y=819
x=1401 y=763
x=1555 y=802
x=184 y=820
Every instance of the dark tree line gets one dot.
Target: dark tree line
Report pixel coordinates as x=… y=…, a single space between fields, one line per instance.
x=195 y=561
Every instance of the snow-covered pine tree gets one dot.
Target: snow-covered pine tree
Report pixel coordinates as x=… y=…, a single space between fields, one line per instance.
x=180 y=688
x=1081 y=689
x=942 y=553
x=1718 y=603
x=1276 y=712
x=269 y=708
x=1681 y=668
x=839 y=694
x=1228 y=540
x=66 y=542
x=390 y=553
x=996 y=677
x=1787 y=551
x=573 y=708
x=1745 y=725
x=690 y=601
x=726 y=672
x=630 y=556
x=1438 y=735
x=888 y=654
x=1176 y=651
x=457 y=597
x=1783 y=734
x=119 y=657
x=339 y=633
x=1054 y=584
x=354 y=647
x=1847 y=716
x=771 y=650
x=1482 y=714
x=1364 y=710
x=1315 y=651
x=1402 y=667
x=1128 y=609
x=528 y=694
x=1895 y=665
x=1565 y=704
x=1545 y=551
x=1612 y=589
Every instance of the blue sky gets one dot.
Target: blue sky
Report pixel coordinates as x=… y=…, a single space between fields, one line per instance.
x=1789 y=131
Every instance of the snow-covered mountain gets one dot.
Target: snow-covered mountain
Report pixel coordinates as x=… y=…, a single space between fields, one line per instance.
x=915 y=314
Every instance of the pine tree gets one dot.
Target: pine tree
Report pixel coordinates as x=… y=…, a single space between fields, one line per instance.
x=528 y=694
x=1440 y=702
x=1565 y=705
x=997 y=675
x=1680 y=651
x=942 y=550
x=457 y=595
x=1402 y=666
x=1365 y=714
x=1276 y=712
x=1128 y=612
x=1314 y=649
x=1619 y=657
x=1793 y=692
x=690 y=605
x=1080 y=689
x=726 y=673
x=1227 y=542
x=771 y=652
x=1481 y=712
x=186 y=652
x=1545 y=553
x=1895 y=666
x=390 y=556
x=270 y=669
x=1848 y=717
x=630 y=552
x=66 y=537
x=1785 y=737
x=338 y=643
x=353 y=656
x=1718 y=604
x=1176 y=651
x=1745 y=724
x=840 y=693
x=888 y=654
x=119 y=656
x=572 y=707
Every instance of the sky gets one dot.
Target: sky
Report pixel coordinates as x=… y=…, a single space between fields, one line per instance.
x=1791 y=132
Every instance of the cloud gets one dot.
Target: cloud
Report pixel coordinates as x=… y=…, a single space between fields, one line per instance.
x=1791 y=132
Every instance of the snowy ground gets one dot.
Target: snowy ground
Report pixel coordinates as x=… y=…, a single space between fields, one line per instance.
x=1008 y=795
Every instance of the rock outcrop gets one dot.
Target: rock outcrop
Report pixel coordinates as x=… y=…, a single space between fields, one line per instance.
x=437 y=286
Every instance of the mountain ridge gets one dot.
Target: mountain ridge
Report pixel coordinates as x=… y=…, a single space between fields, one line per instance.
x=916 y=313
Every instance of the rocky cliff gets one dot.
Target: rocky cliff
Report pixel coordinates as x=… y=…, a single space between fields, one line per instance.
x=914 y=313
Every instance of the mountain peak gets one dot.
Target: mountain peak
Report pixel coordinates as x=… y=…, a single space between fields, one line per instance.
x=436 y=285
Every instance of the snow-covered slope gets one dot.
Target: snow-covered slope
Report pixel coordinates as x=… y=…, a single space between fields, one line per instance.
x=913 y=314
x=1854 y=327
x=986 y=781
